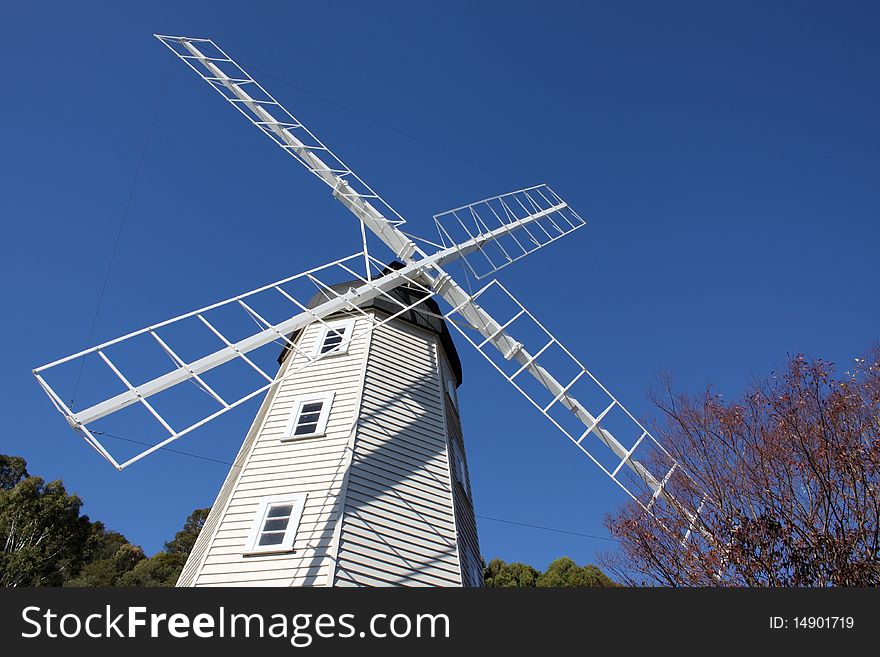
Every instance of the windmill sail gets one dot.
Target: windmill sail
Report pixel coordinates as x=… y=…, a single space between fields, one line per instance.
x=231 y=340
x=555 y=382
x=261 y=109
x=510 y=227
x=226 y=349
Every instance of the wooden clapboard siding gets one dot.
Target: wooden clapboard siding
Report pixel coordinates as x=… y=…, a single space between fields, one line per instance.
x=383 y=505
x=267 y=466
x=398 y=526
x=465 y=520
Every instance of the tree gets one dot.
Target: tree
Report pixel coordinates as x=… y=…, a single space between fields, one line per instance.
x=505 y=575
x=163 y=568
x=108 y=556
x=12 y=470
x=788 y=478
x=118 y=563
x=183 y=541
x=43 y=537
x=563 y=572
x=45 y=541
x=566 y=573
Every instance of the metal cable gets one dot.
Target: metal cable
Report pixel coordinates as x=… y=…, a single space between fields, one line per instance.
x=232 y=465
x=119 y=233
x=403 y=133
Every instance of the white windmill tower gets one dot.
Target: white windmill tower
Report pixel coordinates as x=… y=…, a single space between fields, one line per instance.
x=353 y=472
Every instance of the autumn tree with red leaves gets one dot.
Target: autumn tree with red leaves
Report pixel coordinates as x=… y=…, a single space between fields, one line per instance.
x=787 y=479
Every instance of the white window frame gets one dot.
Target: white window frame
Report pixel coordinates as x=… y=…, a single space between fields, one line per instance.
x=298 y=501
x=327 y=402
x=347 y=324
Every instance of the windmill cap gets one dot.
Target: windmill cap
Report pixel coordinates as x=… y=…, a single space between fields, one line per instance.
x=425 y=315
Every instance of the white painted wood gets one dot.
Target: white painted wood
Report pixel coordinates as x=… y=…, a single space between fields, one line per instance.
x=381 y=507
x=258 y=527
x=269 y=466
x=465 y=519
x=398 y=524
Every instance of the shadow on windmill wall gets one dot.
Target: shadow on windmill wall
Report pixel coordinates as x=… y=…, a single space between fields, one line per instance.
x=399 y=517
x=398 y=523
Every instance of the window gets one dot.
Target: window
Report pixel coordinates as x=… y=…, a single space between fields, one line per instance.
x=450 y=390
x=275 y=524
x=334 y=338
x=460 y=471
x=309 y=417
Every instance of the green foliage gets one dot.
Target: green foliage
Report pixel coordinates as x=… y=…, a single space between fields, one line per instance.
x=505 y=575
x=162 y=569
x=12 y=470
x=44 y=541
x=110 y=556
x=43 y=536
x=183 y=541
x=563 y=572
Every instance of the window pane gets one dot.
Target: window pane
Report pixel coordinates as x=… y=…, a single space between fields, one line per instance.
x=332 y=339
x=272 y=539
x=280 y=511
x=276 y=525
x=307 y=421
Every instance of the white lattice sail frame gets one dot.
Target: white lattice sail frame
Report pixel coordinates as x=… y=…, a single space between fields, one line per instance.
x=494 y=232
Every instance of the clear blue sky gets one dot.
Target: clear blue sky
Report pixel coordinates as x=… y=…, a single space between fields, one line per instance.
x=725 y=157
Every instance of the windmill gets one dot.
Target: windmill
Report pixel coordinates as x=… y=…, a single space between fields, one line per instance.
x=354 y=469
